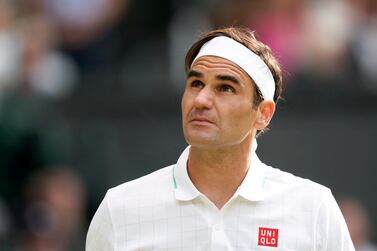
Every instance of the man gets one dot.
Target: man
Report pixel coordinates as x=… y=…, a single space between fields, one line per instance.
x=219 y=195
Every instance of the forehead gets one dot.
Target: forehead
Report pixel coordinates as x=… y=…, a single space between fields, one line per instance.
x=214 y=64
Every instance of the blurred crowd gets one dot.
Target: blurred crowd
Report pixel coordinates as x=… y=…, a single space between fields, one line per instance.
x=62 y=60
x=358 y=222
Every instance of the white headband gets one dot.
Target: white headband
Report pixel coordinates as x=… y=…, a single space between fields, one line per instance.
x=250 y=62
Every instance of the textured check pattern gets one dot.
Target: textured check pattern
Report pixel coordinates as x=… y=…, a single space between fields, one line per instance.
x=164 y=211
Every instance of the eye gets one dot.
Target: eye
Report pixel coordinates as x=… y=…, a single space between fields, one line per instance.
x=227 y=88
x=197 y=84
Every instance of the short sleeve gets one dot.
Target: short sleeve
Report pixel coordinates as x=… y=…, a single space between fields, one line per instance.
x=331 y=231
x=100 y=236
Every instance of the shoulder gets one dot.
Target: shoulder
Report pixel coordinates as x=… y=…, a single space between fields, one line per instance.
x=122 y=206
x=144 y=188
x=160 y=175
x=297 y=188
x=311 y=203
x=277 y=177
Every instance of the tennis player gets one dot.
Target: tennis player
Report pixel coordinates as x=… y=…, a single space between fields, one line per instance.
x=219 y=195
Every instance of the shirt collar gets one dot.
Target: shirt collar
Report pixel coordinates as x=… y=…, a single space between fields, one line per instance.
x=251 y=188
x=183 y=187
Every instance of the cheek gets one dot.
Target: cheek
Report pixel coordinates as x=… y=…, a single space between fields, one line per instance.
x=241 y=117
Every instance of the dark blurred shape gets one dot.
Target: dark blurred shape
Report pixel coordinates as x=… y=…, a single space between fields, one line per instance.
x=54 y=212
x=187 y=22
x=358 y=222
x=5 y=226
x=33 y=135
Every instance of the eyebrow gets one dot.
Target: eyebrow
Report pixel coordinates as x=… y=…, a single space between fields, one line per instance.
x=228 y=78
x=193 y=73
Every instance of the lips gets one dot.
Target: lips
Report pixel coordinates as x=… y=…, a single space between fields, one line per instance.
x=201 y=120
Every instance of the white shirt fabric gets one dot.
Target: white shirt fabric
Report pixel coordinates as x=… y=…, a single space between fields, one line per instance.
x=165 y=211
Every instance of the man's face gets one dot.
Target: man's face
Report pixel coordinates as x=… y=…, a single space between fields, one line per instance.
x=217 y=104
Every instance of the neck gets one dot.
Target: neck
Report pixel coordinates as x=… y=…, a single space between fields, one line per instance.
x=217 y=173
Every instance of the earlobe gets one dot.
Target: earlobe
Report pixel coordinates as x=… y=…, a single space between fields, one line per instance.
x=265 y=112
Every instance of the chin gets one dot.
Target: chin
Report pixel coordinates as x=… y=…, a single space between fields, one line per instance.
x=200 y=141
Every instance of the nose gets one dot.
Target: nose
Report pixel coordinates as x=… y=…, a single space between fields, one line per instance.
x=204 y=99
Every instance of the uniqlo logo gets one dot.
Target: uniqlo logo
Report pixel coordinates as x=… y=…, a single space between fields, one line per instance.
x=268 y=237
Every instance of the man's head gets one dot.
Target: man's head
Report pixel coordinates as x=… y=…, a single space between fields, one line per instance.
x=233 y=83
x=245 y=37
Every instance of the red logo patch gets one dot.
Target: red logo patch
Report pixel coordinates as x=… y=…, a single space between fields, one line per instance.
x=268 y=237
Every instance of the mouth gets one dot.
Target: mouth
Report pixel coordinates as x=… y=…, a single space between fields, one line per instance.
x=201 y=121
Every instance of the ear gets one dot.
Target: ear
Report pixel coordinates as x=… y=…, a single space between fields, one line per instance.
x=265 y=112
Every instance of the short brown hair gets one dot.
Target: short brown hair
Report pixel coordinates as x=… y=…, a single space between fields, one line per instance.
x=246 y=37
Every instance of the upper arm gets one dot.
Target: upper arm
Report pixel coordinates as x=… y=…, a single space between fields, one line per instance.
x=100 y=236
x=331 y=231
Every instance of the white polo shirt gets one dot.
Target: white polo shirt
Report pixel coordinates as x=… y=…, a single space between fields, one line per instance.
x=271 y=210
